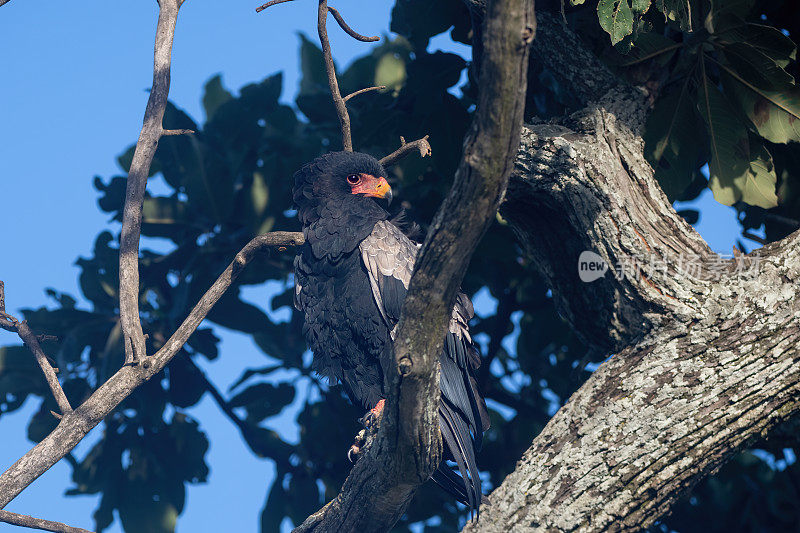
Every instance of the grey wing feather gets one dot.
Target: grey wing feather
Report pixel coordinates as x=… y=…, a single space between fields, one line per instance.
x=389 y=257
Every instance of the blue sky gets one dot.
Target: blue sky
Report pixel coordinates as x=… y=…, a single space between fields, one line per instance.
x=73 y=94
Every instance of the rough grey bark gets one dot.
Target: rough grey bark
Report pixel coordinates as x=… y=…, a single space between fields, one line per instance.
x=407 y=448
x=705 y=358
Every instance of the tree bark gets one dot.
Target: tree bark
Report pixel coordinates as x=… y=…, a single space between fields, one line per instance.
x=704 y=348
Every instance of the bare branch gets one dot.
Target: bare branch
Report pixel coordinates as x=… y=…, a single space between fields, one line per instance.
x=37 y=523
x=165 y=133
x=338 y=101
x=422 y=145
x=362 y=91
x=350 y=31
x=29 y=338
x=146 y=147
x=268 y=4
x=407 y=447
x=4 y=2
x=76 y=424
x=21 y=328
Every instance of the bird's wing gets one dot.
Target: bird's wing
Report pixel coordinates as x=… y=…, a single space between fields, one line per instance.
x=389 y=258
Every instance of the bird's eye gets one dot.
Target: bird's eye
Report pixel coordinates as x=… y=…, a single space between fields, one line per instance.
x=353 y=179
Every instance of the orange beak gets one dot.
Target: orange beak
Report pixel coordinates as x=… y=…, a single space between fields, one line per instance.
x=374 y=187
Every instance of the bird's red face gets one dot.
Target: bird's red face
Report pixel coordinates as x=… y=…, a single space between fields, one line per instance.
x=368 y=185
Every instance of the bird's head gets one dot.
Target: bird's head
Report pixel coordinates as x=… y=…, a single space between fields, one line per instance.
x=346 y=181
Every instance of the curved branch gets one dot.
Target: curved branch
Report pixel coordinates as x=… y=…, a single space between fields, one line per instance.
x=350 y=31
x=271 y=3
x=76 y=424
x=364 y=90
x=407 y=447
x=143 y=154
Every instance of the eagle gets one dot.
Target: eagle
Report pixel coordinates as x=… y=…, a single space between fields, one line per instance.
x=351 y=277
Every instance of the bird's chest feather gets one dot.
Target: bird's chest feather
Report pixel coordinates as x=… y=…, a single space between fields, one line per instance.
x=343 y=325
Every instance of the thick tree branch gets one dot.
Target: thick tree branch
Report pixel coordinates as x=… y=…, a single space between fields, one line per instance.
x=407 y=448
x=666 y=411
x=24 y=520
x=146 y=146
x=76 y=424
x=705 y=358
x=10 y=323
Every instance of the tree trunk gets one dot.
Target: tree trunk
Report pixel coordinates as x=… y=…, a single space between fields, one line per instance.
x=704 y=348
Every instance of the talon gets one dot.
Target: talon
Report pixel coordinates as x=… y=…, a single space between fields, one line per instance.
x=352 y=453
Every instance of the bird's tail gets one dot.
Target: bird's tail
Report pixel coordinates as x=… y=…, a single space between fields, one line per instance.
x=456 y=435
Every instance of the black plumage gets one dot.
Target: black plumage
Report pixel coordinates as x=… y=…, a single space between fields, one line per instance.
x=351 y=278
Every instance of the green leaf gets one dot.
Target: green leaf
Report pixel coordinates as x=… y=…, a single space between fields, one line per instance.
x=729 y=148
x=648 y=46
x=678 y=11
x=250 y=372
x=766 y=39
x=214 y=95
x=756 y=67
x=671 y=143
x=774 y=114
x=312 y=67
x=390 y=71
x=616 y=18
x=263 y=400
x=640 y=6
x=759 y=189
x=576 y=2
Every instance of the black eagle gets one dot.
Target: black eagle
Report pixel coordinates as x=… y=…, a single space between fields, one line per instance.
x=351 y=277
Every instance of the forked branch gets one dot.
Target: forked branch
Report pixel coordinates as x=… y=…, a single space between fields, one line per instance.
x=143 y=154
x=10 y=323
x=76 y=424
x=340 y=102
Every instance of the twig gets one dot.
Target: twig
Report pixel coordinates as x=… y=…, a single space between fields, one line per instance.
x=268 y=4
x=4 y=2
x=146 y=146
x=422 y=145
x=364 y=90
x=37 y=523
x=338 y=101
x=10 y=323
x=75 y=425
x=164 y=133
x=350 y=31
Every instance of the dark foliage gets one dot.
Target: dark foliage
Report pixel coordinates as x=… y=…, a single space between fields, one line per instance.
x=232 y=180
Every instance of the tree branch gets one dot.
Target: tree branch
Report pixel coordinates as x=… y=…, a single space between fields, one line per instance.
x=422 y=145
x=146 y=146
x=338 y=101
x=664 y=412
x=407 y=447
x=10 y=323
x=350 y=31
x=364 y=90
x=76 y=424
x=37 y=523
x=705 y=361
